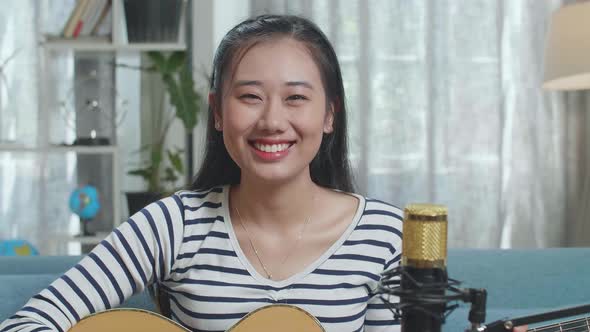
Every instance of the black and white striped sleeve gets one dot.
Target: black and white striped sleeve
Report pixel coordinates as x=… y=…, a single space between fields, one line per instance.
x=389 y=223
x=139 y=252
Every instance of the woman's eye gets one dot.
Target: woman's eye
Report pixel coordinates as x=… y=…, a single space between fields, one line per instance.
x=249 y=96
x=297 y=97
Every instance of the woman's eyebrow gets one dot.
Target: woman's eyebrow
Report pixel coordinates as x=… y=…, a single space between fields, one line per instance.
x=240 y=83
x=247 y=82
x=300 y=83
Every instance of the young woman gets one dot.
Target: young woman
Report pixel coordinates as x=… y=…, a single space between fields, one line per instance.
x=271 y=217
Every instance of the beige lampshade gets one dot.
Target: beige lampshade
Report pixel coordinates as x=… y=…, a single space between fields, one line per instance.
x=567 y=52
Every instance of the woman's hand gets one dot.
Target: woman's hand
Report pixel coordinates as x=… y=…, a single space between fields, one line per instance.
x=520 y=328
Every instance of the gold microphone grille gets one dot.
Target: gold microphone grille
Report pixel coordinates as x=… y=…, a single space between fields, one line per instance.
x=425 y=236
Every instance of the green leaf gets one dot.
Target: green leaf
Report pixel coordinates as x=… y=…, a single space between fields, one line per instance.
x=193 y=99
x=170 y=175
x=156 y=157
x=145 y=173
x=184 y=98
x=159 y=60
x=176 y=60
x=146 y=147
x=176 y=161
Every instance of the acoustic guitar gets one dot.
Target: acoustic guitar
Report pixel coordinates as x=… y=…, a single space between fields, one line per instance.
x=272 y=318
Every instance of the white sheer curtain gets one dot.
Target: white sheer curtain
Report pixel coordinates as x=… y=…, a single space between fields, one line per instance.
x=445 y=106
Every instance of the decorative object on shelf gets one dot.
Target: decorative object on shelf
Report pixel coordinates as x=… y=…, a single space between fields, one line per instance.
x=165 y=167
x=153 y=20
x=17 y=248
x=102 y=117
x=85 y=203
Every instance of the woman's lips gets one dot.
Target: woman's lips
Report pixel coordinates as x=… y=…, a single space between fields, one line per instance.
x=271 y=150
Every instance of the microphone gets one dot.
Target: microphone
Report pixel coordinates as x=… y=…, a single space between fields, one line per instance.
x=424 y=260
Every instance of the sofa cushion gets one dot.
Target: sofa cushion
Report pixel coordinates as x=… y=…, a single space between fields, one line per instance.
x=37 y=264
x=524 y=279
x=17 y=289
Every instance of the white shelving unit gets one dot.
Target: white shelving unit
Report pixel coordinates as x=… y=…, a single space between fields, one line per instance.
x=117 y=44
x=119 y=41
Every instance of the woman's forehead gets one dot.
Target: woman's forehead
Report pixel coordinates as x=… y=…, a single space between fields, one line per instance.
x=283 y=60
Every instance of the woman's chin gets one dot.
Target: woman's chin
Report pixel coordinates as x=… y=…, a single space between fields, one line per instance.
x=274 y=175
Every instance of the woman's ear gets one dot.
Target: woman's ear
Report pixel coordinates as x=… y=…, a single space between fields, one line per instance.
x=216 y=111
x=329 y=119
x=212 y=103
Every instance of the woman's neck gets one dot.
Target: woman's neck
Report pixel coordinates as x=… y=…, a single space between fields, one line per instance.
x=275 y=206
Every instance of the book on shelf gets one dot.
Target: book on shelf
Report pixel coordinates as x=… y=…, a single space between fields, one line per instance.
x=68 y=30
x=86 y=18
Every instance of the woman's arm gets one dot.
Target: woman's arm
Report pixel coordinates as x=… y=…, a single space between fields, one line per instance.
x=139 y=252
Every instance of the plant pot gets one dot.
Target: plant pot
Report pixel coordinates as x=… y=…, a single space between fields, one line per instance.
x=140 y=199
x=152 y=20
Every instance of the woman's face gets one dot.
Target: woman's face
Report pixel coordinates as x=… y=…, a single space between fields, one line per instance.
x=273 y=112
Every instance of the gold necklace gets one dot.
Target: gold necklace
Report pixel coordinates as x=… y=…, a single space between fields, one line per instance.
x=257 y=254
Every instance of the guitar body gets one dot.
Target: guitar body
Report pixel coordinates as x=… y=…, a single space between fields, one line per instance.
x=131 y=320
x=278 y=317
x=273 y=318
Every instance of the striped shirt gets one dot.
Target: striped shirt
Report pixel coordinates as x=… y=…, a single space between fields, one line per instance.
x=186 y=243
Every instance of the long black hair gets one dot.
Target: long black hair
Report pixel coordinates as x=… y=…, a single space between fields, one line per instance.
x=330 y=167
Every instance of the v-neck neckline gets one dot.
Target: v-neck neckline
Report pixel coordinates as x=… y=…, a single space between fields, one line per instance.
x=310 y=267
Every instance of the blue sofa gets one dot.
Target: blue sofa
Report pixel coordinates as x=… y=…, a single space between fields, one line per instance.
x=519 y=282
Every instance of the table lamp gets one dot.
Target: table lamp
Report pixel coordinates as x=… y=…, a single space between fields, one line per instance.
x=567 y=52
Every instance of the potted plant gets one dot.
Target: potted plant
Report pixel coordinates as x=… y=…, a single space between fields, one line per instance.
x=163 y=166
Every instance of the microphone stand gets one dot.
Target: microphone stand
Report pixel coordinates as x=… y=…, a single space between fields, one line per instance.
x=423 y=295
x=504 y=325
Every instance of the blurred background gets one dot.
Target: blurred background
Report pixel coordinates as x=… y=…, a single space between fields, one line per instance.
x=444 y=99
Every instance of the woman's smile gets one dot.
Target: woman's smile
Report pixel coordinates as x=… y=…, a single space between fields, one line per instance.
x=271 y=150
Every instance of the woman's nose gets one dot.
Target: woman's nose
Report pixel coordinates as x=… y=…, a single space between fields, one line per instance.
x=274 y=117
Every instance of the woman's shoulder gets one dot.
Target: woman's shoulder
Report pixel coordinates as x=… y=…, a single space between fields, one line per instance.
x=381 y=207
x=370 y=206
x=380 y=221
x=193 y=200
x=201 y=194
x=379 y=214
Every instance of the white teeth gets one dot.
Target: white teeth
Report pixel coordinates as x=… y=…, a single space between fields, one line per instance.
x=271 y=147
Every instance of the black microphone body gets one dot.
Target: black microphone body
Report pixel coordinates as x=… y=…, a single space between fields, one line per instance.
x=423 y=279
x=421 y=316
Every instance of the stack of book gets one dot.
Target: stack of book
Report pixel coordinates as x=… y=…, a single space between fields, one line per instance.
x=86 y=18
